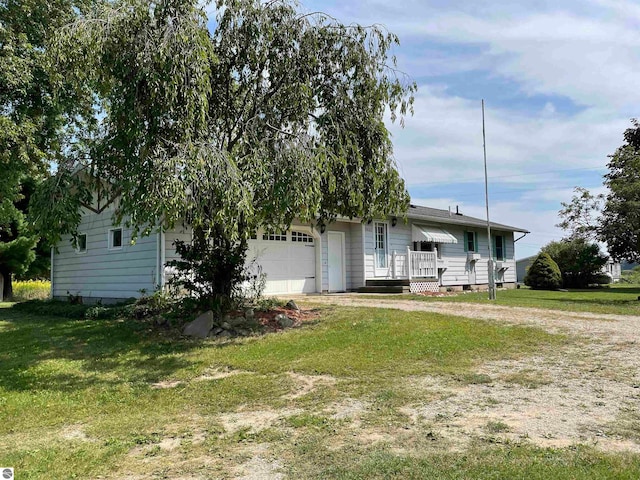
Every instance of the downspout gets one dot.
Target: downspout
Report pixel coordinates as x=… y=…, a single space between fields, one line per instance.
x=520 y=238
x=163 y=257
x=160 y=260
x=51 y=271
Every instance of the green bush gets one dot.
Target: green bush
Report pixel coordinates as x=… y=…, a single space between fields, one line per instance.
x=579 y=261
x=543 y=274
x=602 y=279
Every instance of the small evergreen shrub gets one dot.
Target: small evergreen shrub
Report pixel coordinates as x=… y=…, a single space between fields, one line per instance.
x=543 y=274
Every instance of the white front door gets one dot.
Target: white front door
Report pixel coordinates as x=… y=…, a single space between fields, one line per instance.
x=335 y=247
x=381 y=250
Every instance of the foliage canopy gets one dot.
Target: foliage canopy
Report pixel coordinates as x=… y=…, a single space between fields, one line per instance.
x=580 y=217
x=39 y=122
x=580 y=262
x=273 y=115
x=620 y=223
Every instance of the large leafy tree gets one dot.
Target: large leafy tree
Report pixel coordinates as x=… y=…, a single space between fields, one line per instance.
x=580 y=217
x=40 y=124
x=620 y=223
x=272 y=115
x=17 y=242
x=37 y=124
x=579 y=260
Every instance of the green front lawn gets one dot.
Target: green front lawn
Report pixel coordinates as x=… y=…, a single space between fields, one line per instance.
x=81 y=399
x=621 y=300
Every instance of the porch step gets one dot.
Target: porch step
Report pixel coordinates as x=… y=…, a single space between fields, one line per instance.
x=398 y=282
x=384 y=289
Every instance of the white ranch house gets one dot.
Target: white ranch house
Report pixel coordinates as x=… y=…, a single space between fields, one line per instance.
x=433 y=250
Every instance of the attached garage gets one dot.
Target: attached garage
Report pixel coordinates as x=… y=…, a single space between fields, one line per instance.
x=288 y=259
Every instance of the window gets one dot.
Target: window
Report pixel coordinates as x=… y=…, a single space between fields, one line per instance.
x=380 y=243
x=470 y=241
x=301 y=237
x=81 y=246
x=115 y=238
x=428 y=247
x=498 y=248
x=278 y=237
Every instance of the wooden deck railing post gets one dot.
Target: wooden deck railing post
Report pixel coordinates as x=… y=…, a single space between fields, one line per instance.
x=409 y=262
x=393 y=265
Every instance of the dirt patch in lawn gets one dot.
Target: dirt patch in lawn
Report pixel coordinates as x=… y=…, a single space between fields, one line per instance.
x=574 y=396
x=308 y=383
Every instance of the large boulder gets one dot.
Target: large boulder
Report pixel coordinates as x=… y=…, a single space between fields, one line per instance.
x=200 y=327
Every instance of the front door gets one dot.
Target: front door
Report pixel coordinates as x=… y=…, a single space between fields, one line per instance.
x=381 y=249
x=335 y=247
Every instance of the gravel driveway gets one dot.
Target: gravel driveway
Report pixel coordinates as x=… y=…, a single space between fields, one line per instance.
x=586 y=393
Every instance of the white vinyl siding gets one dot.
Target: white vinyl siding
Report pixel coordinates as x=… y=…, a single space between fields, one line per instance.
x=453 y=256
x=101 y=273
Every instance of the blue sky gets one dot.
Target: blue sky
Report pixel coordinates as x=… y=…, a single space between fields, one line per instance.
x=560 y=81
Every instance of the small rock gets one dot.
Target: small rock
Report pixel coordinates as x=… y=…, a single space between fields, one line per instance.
x=283 y=320
x=200 y=327
x=291 y=305
x=249 y=314
x=225 y=325
x=215 y=331
x=225 y=333
x=236 y=321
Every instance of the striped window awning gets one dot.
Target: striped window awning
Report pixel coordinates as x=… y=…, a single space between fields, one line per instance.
x=423 y=233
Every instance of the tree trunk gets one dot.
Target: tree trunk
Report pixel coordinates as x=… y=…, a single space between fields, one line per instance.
x=6 y=286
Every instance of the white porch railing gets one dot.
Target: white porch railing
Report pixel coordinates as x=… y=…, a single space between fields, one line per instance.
x=414 y=264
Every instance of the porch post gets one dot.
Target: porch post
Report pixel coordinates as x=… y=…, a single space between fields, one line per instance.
x=409 y=263
x=393 y=265
x=435 y=261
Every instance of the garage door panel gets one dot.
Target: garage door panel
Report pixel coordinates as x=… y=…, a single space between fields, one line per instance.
x=289 y=266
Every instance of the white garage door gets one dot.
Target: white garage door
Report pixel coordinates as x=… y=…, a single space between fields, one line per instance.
x=288 y=259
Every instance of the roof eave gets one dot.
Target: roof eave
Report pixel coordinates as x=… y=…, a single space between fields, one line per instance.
x=462 y=221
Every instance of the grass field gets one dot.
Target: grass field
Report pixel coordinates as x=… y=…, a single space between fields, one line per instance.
x=108 y=399
x=622 y=300
x=31 y=290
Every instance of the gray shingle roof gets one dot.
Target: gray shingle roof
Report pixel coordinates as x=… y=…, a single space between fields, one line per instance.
x=416 y=212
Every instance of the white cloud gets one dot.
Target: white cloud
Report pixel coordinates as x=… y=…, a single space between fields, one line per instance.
x=442 y=143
